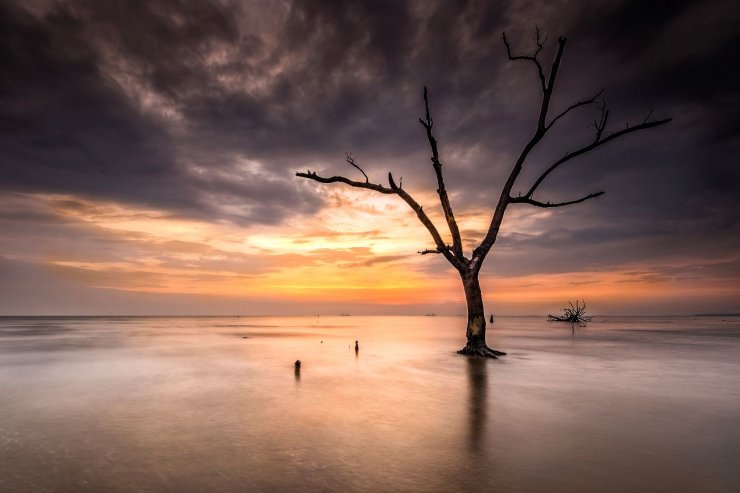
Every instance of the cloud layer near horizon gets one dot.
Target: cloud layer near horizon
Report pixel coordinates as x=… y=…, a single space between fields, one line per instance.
x=150 y=147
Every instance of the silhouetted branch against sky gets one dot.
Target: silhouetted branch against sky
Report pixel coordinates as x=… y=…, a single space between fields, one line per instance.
x=194 y=116
x=455 y=254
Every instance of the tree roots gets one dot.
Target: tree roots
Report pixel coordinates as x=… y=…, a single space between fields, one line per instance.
x=481 y=352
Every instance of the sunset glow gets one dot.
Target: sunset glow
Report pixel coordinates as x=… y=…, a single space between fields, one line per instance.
x=154 y=172
x=346 y=253
x=369 y=246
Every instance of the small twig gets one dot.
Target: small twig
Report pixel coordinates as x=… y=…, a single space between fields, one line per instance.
x=650 y=113
x=547 y=205
x=531 y=58
x=352 y=162
x=573 y=106
x=435 y=250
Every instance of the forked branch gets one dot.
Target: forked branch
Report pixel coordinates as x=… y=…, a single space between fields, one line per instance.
x=311 y=175
x=548 y=86
x=573 y=106
x=597 y=142
x=540 y=43
x=454 y=254
x=441 y=247
x=405 y=196
x=444 y=200
x=351 y=162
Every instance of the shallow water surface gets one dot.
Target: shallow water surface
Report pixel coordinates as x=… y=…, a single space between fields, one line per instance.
x=214 y=404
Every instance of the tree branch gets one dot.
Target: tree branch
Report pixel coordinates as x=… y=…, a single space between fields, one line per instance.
x=600 y=125
x=311 y=175
x=548 y=85
x=572 y=107
x=546 y=205
x=352 y=162
x=441 y=190
x=532 y=58
x=434 y=250
x=454 y=254
x=598 y=142
x=456 y=262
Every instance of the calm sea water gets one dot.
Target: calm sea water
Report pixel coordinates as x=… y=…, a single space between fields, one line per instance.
x=214 y=404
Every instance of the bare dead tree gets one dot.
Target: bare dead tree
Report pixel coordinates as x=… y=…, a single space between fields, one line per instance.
x=576 y=314
x=469 y=267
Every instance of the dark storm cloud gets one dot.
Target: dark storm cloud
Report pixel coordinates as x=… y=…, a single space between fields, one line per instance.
x=67 y=124
x=63 y=126
x=206 y=108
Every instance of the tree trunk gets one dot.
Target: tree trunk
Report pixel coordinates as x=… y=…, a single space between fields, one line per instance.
x=476 y=330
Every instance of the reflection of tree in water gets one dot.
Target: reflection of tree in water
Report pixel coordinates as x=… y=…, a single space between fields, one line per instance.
x=477 y=401
x=297 y=366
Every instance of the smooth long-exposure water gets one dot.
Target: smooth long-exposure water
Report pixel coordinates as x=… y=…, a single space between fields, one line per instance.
x=214 y=404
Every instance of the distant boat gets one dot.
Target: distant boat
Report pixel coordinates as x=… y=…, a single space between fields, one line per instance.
x=431 y=314
x=344 y=314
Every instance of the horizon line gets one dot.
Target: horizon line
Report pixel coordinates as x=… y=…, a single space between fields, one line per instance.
x=238 y=315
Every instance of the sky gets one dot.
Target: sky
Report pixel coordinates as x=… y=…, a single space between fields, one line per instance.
x=148 y=153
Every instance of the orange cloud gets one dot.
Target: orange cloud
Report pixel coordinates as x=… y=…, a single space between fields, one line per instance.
x=363 y=252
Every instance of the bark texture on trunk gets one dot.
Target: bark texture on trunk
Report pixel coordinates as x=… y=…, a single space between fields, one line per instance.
x=476 y=330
